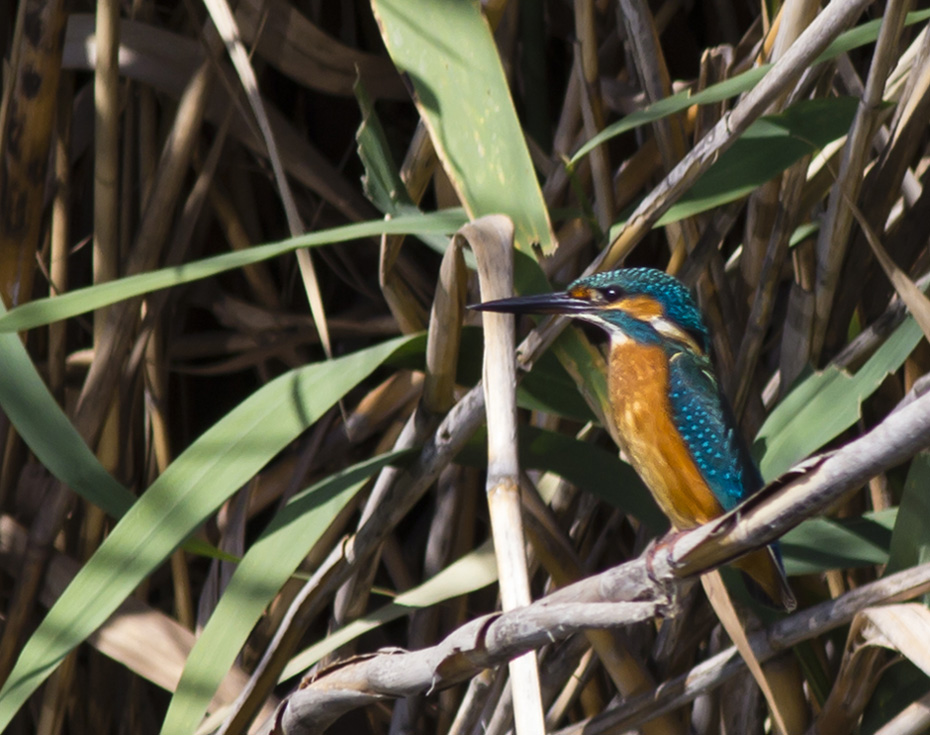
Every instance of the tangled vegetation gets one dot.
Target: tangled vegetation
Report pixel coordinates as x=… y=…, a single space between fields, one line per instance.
x=246 y=482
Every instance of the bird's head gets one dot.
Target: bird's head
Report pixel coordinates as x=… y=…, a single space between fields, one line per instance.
x=640 y=304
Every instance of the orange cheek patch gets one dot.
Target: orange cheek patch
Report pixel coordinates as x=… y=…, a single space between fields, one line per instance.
x=643 y=308
x=580 y=292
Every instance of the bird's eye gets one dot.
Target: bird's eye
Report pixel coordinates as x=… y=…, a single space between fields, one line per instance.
x=612 y=293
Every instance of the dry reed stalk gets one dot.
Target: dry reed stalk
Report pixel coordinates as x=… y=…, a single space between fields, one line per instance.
x=491 y=239
x=833 y=238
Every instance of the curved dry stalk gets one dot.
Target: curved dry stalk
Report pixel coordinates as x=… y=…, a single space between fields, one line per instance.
x=768 y=280
x=292 y=43
x=631 y=592
x=108 y=251
x=762 y=209
x=416 y=172
x=106 y=152
x=60 y=236
x=175 y=159
x=227 y=27
x=883 y=187
x=585 y=68
x=444 y=338
x=876 y=636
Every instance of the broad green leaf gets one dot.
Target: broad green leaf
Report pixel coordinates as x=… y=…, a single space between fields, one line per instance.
x=191 y=489
x=673 y=104
x=472 y=572
x=825 y=404
x=447 y=52
x=590 y=467
x=854 y=38
x=910 y=543
x=44 y=311
x=769 y=146
x=267 y=565
x=599 y=471
x=866 y=33
x=821 y=544
x=53 y=439
x=536 y=84
x=382 y=182
x=46 y=430
x=548 y=388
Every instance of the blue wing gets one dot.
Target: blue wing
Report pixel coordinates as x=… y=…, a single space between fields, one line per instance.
x=705 y=422
x=703 y=418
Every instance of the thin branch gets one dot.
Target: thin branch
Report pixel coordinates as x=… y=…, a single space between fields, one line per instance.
x=766 y=644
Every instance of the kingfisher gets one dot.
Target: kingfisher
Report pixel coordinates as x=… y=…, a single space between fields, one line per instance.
x=675 y=425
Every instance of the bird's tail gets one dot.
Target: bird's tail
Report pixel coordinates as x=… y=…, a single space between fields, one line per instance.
x=766 y=576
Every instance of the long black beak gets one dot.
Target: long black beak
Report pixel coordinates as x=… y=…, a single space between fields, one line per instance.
x=549 y=303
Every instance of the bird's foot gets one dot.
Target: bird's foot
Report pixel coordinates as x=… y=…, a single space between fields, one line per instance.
x=668 y=587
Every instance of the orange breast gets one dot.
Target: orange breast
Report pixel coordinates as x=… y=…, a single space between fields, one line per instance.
x=638 y=379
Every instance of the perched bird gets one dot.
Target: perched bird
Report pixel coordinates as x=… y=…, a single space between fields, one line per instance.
x=675 y=425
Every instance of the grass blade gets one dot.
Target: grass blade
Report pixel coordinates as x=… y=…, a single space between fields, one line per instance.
x=48 y=310
x=264 y=569
x=179 y=501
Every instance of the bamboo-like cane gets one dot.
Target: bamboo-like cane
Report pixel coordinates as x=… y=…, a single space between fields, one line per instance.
x=491 y=239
